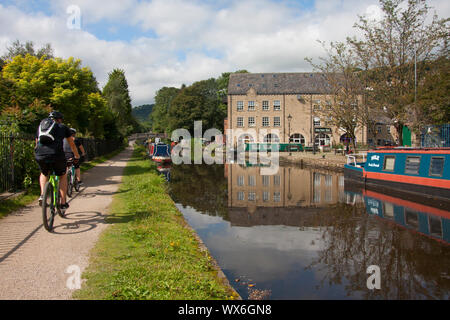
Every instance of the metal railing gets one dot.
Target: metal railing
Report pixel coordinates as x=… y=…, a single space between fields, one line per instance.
x=17 y=163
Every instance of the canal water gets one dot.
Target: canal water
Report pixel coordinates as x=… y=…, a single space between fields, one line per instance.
x=309 y=234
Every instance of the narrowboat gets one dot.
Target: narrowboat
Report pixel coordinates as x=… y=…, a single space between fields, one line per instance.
x=416 y=171
x=428 y=221
x=161 y=153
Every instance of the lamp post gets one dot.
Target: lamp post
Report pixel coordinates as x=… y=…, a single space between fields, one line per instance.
x=289 y=133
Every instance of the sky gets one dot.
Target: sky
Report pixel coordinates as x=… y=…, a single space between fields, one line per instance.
x=173 y=42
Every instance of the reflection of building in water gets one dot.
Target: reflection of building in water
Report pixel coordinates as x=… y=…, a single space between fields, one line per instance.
x=291 y=187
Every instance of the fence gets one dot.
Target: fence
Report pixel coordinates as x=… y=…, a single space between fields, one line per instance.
x=18 y=169
x=436 y=136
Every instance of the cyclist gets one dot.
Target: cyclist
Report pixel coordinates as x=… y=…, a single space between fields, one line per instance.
x=70 y=156
x=50 y=155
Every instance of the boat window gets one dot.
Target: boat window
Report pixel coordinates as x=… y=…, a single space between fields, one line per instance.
x=412 y=219
x=388 y=210
x=437 y=166
x=412 y=165
x=435 y=224
x=389 y=163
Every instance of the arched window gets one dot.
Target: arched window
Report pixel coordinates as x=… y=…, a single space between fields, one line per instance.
x=297 y=138
x=323 y=139
x=271 y=138
x=245 y=138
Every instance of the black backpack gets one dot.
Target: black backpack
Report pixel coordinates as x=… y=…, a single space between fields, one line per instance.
x=46 y=132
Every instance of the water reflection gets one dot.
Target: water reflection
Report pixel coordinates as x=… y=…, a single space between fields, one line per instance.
x=306 y=234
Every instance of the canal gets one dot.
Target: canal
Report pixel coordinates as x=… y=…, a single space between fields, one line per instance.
x=306 y=234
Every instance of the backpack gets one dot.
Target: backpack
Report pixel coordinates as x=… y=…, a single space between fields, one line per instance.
x=45 y=135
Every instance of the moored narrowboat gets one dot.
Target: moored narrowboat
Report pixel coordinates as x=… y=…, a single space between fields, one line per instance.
x=161 y=153
x=425 y=172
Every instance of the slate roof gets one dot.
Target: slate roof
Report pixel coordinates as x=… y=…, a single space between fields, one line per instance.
x=278 y=83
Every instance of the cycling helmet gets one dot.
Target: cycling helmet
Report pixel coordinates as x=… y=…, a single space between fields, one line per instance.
x=56 y=115
x=73 y=131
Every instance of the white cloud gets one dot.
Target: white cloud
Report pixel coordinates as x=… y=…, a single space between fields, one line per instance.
x=257 y=35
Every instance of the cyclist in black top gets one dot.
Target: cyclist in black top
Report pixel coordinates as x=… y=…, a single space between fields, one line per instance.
x=70 y=156
x=50 y=156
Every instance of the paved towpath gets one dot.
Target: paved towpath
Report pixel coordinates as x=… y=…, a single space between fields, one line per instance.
x=34 y=264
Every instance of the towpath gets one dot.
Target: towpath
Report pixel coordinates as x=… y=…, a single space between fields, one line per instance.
x=36 y=264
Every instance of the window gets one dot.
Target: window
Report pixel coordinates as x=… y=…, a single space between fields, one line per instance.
x=277 y=105
x=388 y=210
x=240 y=106
x=265 y=105
x=251 y=196
x=251 y=121
x=435 y=224
x=277 y=197
x=266 y=180
x=437 y=166
x=412 y=165
x=388 y=128
x=265 y=196
x=276 y=122
x=251 y=106
x=317 y=121
x=240 y=181
x=297 y=138
x=252 y=181
x=271 y=138
x=240 y=121
x=265 y=121
x=241 y=196
x=389 y=163
x=276 y=180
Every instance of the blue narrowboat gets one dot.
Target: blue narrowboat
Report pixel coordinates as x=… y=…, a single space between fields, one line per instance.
x=160 y=152
x=429 y=221
x=423 y=172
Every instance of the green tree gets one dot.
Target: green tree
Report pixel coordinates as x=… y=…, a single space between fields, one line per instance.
x=346 y=109
x=163 y=102
x=39 y=85
x=119 y=101
x=388 y=50
x=22 y=49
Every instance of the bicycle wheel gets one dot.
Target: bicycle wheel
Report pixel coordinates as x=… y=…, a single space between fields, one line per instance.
x=76 y=185
x=48 y=207
x=69 y=184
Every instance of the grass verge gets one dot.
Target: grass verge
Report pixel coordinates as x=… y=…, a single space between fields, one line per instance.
x=148 y=252
x=15 y=203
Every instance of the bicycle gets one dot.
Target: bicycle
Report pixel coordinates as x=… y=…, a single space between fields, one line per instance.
x=72 y=181
x=51 y=202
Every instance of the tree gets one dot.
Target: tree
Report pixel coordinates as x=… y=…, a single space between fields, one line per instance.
x=22 y=49
x=160 y=113
x=119 y=101
x=38 y=85
x=388 y=51
x=346 y=109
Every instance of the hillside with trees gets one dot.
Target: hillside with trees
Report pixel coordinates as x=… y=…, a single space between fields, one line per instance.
x=204 y=100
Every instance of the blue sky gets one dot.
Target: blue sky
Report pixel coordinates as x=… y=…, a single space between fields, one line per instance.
x=170 y=42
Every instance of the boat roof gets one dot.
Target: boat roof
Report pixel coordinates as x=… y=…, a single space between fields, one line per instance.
x=410 y=150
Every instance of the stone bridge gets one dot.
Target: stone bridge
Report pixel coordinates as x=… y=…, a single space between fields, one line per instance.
x=146 y=136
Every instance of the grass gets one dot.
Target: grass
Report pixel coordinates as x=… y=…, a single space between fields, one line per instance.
x=10 y=205
x=147 y=252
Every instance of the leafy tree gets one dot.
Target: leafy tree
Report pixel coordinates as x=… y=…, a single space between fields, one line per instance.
x=346 y=109
x=119 y=101
x=163 y=102
x=38 y=85
x=22 y=49
x=388 y=51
